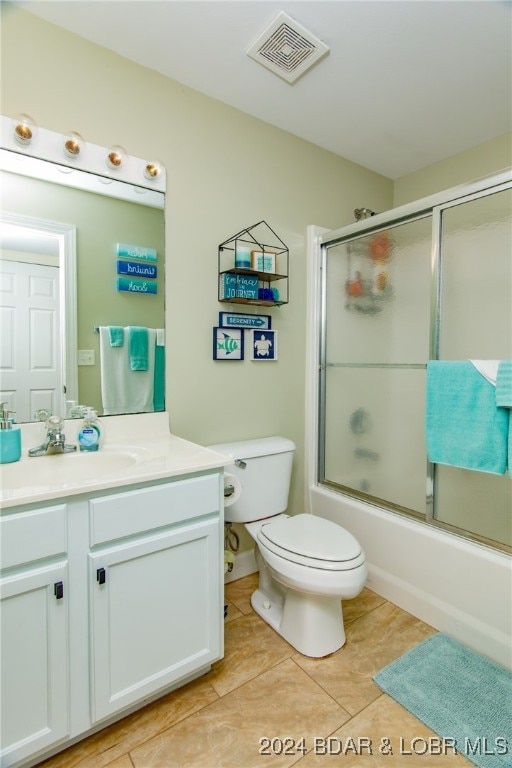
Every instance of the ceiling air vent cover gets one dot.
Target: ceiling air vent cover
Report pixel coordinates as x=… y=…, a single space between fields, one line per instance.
x=286 y=48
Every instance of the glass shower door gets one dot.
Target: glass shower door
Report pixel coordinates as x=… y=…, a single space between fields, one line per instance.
x=375 y=346
x=475 y=324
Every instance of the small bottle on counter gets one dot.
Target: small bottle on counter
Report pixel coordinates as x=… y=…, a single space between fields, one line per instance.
x=10 y=437
x=90 y=434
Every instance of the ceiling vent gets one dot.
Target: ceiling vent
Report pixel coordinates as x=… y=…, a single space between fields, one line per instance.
x=286 y=48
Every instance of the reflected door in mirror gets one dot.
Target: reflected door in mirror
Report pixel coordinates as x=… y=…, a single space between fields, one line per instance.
x=30 y=371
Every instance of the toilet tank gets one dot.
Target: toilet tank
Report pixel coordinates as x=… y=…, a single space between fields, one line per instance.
x=265 y=479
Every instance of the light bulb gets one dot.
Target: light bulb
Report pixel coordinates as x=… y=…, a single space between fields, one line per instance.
x=73 y=145
x=24 y=129
x=115 y=158
x=152 y=170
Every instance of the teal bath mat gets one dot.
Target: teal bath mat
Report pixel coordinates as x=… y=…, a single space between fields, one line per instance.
x=461 y=696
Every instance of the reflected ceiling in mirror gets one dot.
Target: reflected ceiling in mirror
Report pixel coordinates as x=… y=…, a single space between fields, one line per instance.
x=60 y=230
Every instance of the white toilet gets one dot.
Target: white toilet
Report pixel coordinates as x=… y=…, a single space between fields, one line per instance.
x=307 y=565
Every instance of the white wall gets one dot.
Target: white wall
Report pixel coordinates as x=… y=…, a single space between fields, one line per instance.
x=486 y=159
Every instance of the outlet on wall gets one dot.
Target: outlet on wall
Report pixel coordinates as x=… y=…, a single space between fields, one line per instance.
x=86 y=357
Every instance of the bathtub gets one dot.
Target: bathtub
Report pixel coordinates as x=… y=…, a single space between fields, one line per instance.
x=455 y=585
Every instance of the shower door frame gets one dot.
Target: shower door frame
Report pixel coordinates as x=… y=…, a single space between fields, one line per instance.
x=320 y=242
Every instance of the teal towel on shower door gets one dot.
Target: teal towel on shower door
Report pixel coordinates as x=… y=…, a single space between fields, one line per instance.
x=464 y=427
x=504 y=400
x=504 y=384
x=509 y=441
x=138 y=348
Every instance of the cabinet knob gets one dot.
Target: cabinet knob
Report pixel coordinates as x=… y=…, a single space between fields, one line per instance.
x=101 y=575
x=58 y=590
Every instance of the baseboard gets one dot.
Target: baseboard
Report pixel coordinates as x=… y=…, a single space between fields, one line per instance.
x=441 y=615
x=245 y=563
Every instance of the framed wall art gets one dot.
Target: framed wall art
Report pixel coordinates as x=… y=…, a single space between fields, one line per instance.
x=263 y=262
x=228 y=343
x=263 y=345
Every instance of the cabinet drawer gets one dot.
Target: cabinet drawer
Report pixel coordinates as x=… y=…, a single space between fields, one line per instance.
x=32 y=535
x=125 y=514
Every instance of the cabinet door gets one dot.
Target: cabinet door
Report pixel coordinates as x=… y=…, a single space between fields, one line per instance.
x=34 y=661
x=156 y=613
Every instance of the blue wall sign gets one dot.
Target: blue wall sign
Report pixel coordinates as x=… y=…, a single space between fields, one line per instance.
x=241 y=320
x=131 y=285
x=239 y=286
x=127 y=251
x=135 y=269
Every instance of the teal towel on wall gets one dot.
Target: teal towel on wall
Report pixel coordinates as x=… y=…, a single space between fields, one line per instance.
x=116 y=335
x=138 y=348
x=159 y=384
x=464 y=428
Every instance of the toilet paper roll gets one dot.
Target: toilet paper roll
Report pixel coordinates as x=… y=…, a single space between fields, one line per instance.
x=232 y=489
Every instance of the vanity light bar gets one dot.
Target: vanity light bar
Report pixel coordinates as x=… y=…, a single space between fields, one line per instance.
x=92 y=158
x=15 y=162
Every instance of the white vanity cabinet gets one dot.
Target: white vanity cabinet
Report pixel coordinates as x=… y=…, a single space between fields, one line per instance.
x=34 y=664
x=108 y=600
x=154 y=590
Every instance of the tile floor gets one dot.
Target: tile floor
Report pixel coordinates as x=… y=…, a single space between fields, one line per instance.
x=264 y=689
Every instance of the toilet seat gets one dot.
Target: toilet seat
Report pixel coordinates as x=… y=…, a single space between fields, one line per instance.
x=311 y=541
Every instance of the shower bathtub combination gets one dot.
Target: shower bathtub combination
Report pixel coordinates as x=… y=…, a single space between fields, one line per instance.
x=431 y=280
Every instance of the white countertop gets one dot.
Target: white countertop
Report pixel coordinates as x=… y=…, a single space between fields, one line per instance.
x=137 y=448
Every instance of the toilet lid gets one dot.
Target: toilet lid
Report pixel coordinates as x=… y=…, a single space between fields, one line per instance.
x=311 y=537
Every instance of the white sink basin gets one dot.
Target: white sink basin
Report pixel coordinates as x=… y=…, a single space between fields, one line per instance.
x=68 y=468
x=103 y=462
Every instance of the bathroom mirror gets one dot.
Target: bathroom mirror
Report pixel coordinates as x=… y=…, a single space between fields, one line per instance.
x=59 y=233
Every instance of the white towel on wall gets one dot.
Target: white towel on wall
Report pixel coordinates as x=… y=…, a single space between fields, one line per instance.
x=124 y=390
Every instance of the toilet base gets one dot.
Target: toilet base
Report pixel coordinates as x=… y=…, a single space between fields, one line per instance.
x=269 y=608
x=312 y=624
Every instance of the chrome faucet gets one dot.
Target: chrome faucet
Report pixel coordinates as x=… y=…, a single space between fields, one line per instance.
x=55 y=441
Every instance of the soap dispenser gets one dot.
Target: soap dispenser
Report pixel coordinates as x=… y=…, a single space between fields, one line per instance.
x=90 y=434
x=10 y=438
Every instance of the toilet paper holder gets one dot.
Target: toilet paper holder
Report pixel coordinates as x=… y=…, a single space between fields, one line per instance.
x=230 y=488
